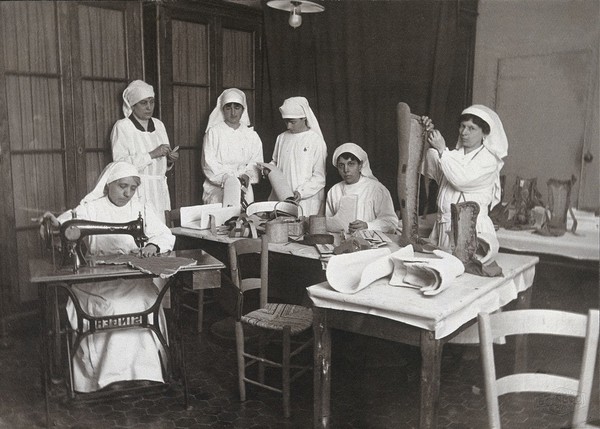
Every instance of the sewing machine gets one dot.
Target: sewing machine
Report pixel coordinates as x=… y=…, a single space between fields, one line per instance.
x=73 y=231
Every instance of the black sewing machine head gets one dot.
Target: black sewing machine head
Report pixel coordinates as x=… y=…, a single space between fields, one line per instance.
x=73 y=231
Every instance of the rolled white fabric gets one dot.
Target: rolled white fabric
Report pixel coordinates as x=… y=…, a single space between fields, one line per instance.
x=430 y=275
x=279 y=183
x=344 y=272
x=232 y=192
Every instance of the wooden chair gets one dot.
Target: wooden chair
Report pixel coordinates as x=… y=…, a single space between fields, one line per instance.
x=289 y=321
x=544 y=322
x=199 y=283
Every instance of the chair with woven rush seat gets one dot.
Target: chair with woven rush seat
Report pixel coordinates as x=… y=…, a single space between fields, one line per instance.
x=288 y=320
x=543 y=322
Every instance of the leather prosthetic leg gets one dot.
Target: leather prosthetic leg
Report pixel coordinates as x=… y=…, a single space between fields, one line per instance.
x=559 y=204
x=464 y=230
x=525 y=197
x=412 y=146
x=465 y=242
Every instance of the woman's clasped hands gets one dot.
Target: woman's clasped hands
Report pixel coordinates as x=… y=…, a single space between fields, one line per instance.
x=165 y=150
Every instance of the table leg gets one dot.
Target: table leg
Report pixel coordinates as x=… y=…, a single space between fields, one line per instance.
x=44 y=352
x=431 y=363
x=523 y=302
x=322 y=369
x=178 y=344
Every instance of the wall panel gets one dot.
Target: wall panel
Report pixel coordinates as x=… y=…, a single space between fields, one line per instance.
x=63 y=66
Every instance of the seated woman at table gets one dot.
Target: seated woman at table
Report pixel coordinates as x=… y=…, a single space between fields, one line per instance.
x=129 y=354
x=373 y=202
x=471 y=172
x=231 y=147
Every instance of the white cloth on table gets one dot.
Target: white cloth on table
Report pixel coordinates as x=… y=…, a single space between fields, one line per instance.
x=128 y=354
x=301 y=157
x=583 y=245
x=228 y=152
x=133 y=145
x=442 y=314
x=374 y=205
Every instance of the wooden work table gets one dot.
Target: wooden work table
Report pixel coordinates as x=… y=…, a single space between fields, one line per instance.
x=293 y=266
x=405 y=315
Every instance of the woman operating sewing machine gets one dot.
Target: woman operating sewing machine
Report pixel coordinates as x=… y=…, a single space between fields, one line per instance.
x=129 y=354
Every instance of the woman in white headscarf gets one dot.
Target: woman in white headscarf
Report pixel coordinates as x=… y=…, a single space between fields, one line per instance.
x=128 y=354
x=371 y=200
x=300 y=153
x=231 y=147
x=471 y=172
x=142 y=140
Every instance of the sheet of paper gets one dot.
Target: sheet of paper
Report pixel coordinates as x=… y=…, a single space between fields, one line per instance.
x=347 y=211
x=198 y=217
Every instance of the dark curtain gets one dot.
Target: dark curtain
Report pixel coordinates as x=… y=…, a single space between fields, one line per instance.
x=354 y=62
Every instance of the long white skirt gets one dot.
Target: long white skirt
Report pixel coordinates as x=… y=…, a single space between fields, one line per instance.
x=128 y=354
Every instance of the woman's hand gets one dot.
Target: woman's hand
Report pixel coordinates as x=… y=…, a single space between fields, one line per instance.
x=427 y=123
x=265 y=168
x=244 y=180
x=436 y=141
x=357 y=225
x=173 y=155
x=53 y=220
x=149 y=250
x=162 y=150
x=297 y=197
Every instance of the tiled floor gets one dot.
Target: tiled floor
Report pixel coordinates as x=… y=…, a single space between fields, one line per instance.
x=374 y=383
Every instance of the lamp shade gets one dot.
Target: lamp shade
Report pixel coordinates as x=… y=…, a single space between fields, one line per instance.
x=296 y=7
x=302 y=6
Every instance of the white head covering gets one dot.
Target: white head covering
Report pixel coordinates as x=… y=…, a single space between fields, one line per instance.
x=113 y=171
x=137 y=91
x=231 y=95
x=358 y=152
x=297 y=107
x=496 y=142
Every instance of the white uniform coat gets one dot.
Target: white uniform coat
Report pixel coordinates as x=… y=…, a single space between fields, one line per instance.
x=133 y=145
x=226 y=152
x=301 y=157
x=129 y=354
x=375 y=205
x=472 y=176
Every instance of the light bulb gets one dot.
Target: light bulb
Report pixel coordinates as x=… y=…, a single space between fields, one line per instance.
x=295 y=20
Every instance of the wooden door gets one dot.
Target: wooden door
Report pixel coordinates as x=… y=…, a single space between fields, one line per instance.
x=199 y=50
x=556 y=92
x=63 y=68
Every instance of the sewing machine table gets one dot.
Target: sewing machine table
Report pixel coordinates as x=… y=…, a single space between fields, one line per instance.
x=49 y=279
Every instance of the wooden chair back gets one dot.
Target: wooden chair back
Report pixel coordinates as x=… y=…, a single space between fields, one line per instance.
x=245 y=247
x=173 y=218
x=544 y=322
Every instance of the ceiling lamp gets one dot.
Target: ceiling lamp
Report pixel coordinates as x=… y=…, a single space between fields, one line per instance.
x=295 y=8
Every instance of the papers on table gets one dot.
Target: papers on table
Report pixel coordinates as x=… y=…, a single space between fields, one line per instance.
x=375 y=238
